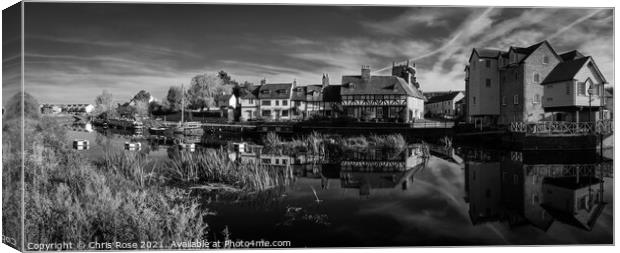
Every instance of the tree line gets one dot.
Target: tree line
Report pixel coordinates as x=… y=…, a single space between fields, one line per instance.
x=201 y=93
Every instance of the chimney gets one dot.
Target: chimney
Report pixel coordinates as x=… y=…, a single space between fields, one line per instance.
x=294 y=83
x=325 y=80
x=365 y=73
x=263 y=81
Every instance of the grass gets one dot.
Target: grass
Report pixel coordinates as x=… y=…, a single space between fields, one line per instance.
x=318 y=143
x=70 y=199
x=214 y=167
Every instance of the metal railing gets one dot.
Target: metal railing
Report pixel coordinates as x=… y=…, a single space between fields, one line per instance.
x=562 y=127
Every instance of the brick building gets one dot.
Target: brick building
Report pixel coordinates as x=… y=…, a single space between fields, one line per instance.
x=530 y=84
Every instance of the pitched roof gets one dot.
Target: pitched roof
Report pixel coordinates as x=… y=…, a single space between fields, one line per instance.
x=571 y=55
x=565 y=71
x=445 y=97
x=379 y=85
x=331 y=93
x=275 y=91
x=222 y=100
x=487 y=53
x=249 y=92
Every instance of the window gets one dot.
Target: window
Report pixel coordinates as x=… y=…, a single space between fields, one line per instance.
x=474 y=100
x=515 y=99
x=284 y=102
x=284 y=161
x=266 y=113
x=515 y=179
x=277 y=102
x=266 y=102
x=545 y=59
x=297 y=103
x=488 y=82
x=536 y=99
x=488 y=63
x=536 y=77
x=516 y=75
x=596 y=89
x=251 y=101
x=568 y=89
x=266 y=160
x=503 y=100
x=277 y=161
x=265 y=91
x=581 y=88
x=285 y=113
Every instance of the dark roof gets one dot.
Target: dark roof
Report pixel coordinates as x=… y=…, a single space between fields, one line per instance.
x=331 y=93
x=379 y=85
x=299 y=93
x=487 y=53
x=275 y=91
x=445 y=97
x=222 y=100
x=316 y=92
x=249 y=92
x=571 y=55
x=565 y=71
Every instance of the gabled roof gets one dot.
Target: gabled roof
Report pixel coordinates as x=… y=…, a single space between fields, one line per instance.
x=571 y=55
x=485 y=53
x=222 y=100
x=275 y=91
x=565 y=71
x=299 y=93
x=445 y=97
x=527 y=51
x=249 y=92
x=379 y=85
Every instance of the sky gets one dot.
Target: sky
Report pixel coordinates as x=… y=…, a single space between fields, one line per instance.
x=73 y=51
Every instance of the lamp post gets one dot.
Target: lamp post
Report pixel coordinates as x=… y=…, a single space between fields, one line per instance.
x=590 y=91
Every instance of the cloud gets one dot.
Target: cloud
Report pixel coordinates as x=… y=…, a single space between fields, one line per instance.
x=429 y=17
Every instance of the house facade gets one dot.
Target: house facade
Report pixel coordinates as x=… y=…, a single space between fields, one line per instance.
x=530 y=84
x=444 y=106
x=394 y=98
x=275 y=101
x=248 y=103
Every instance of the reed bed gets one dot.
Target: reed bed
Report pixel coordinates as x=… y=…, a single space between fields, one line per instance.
x=206 y=166
x=318 y=143
x=117 y=198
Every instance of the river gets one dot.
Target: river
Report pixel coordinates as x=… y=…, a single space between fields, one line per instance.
x=457 y=196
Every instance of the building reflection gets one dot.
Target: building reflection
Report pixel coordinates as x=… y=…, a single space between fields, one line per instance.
x=535 y=188
x=366 y=170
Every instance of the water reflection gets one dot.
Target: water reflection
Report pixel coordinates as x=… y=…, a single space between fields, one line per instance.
x=421 y=195
x=527 y=188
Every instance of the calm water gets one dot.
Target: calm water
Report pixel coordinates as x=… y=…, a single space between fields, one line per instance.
x=461 y=196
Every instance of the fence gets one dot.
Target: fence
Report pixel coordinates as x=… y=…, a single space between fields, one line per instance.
x=562 y=127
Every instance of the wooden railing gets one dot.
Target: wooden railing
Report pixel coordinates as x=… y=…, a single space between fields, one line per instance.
x=562 y=127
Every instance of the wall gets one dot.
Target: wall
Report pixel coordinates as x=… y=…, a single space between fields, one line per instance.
x=248 y=106
x=556 y=95
x=512 y=84
x=416 y=105
x=487 y=98
x=534 y=111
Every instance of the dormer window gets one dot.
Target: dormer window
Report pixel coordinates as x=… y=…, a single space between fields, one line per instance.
x=265 y=91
